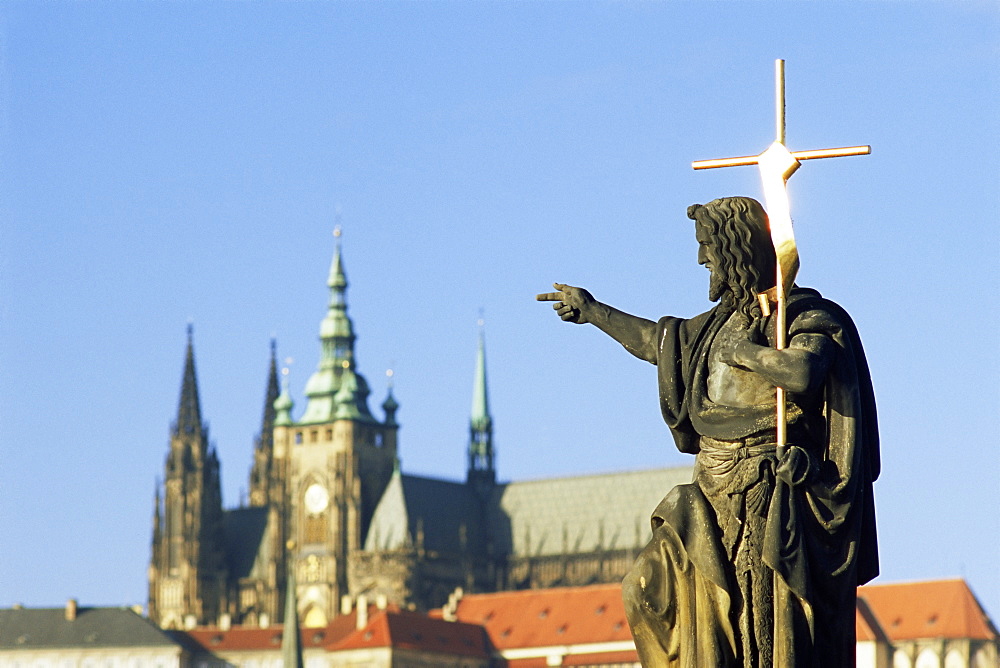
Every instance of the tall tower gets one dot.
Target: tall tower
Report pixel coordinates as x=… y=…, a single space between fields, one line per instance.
x=481 y=471
x=340 y=460
x=187 y=572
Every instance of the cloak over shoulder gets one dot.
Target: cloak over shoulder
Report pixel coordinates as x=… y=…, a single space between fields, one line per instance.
x=826 y=526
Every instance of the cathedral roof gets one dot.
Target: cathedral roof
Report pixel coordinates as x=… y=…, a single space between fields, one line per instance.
x=439 y=511
x=533 y=518
x=244 y=531
x=543 y=517
x=50 y=628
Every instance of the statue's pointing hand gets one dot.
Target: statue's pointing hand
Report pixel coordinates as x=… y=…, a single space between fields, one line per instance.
x=571 y=304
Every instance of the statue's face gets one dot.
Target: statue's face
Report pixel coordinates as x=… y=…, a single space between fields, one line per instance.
x=708 y=257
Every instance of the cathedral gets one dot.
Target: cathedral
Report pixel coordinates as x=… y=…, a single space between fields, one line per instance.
x=332 y=516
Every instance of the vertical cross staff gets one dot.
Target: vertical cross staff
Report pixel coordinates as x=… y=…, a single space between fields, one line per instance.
x=776 y=165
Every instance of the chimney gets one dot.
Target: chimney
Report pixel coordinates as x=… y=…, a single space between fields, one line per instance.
x=71 y=610
x=362 y=620
x=449 y=611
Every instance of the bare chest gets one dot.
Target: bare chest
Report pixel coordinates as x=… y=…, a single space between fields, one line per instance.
x=729 y=385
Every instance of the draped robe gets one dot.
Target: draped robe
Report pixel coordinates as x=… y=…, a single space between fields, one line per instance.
x=745 y=568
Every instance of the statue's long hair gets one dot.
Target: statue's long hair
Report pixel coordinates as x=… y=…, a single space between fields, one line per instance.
x=739 y=229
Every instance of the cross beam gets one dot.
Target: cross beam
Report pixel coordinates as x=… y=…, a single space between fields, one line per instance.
x=798 y=155
x=776 y=165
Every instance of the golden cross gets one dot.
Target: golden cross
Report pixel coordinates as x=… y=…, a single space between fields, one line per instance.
x=776 y=165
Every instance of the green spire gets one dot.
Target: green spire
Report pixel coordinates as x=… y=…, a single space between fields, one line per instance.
x=336 y=334
x=390 y=405
x=481 y=454
x=346 y=399
x=283 y=404
x=480 y=401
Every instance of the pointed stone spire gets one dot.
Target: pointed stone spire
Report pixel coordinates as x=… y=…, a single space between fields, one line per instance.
x=291 y=646
x=157 y=504
x=337 y=355
x=191 y=541
x=271 y=394
x=189 y=408
x=481 y=457
x=263 y=455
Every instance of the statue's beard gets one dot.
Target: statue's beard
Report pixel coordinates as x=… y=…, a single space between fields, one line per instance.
x=717 y=287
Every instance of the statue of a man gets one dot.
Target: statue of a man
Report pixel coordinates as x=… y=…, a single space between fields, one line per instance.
x=756 y=562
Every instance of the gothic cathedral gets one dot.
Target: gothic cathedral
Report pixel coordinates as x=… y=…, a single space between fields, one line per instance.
x=330 y=510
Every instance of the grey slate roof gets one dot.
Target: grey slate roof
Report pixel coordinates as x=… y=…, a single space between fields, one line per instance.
x=440 y=507
x=244 y=530
x=580 y=514
x=48 y=628
x=534 y=518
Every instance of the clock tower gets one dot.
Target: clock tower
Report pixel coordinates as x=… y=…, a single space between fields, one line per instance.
x=339 y=460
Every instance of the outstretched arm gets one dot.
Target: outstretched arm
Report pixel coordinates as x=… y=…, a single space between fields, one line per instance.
x=801 y=367
x=577 y=305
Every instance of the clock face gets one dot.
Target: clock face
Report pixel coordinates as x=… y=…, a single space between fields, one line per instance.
x=316 y=499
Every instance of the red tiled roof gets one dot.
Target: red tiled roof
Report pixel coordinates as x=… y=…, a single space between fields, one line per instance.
x=415 y=631
x=601 y=658
x=936 y=609
x=533 y=662
x=247 y=638
x=549 y=617
x=866 y=625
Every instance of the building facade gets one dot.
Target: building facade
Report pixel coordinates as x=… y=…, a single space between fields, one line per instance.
x=328 y=499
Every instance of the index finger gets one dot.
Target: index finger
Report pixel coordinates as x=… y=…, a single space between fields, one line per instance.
x=549 y=297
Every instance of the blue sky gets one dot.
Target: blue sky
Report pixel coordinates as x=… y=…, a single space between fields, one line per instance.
x=167 y=162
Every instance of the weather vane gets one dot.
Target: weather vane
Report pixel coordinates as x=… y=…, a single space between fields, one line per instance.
x=776 y=165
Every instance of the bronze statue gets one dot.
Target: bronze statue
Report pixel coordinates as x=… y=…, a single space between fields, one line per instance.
x=755 y=563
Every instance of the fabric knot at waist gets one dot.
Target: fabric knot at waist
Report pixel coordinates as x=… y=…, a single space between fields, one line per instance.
x=733 y=452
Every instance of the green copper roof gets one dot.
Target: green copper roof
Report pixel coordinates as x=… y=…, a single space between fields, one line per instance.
x=480 y=401
x=283 y=406
x=390 y=406
x=325 y=402
x=346 y=399
x=480 y=452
